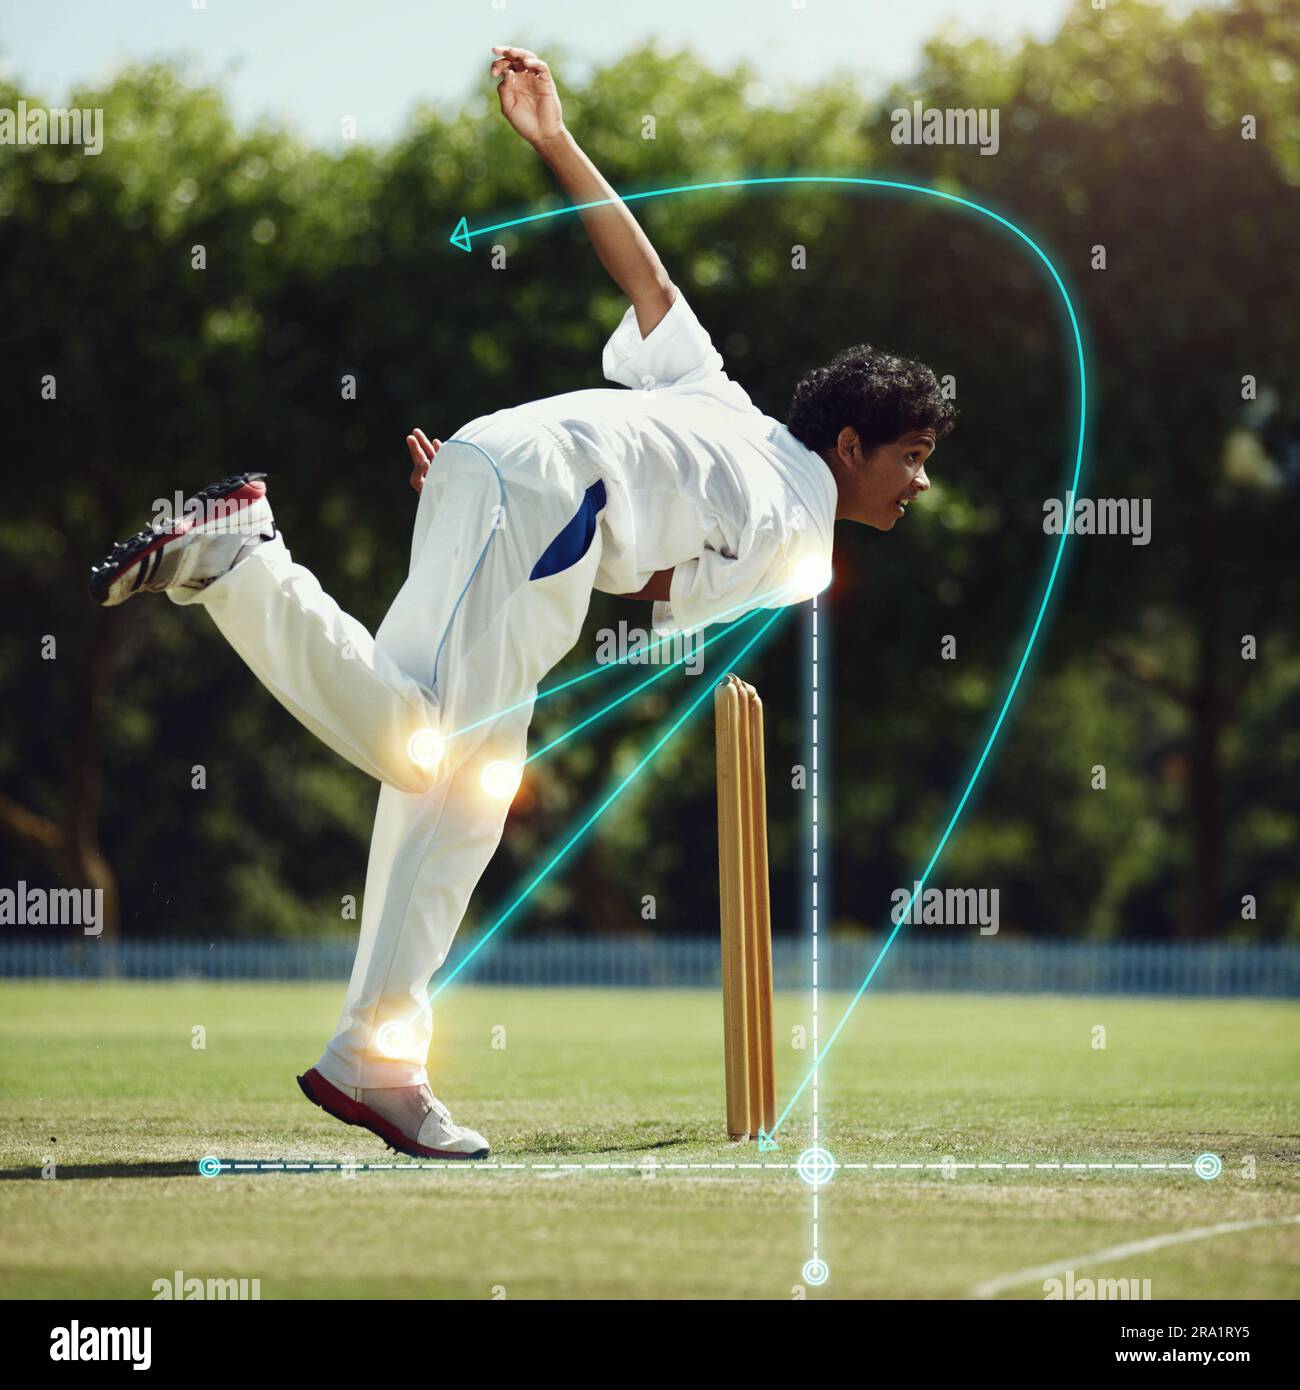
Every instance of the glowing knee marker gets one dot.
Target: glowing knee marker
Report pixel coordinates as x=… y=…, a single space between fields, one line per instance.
x=501 y=779
x=425 y=748
x=816 y=1272
x=394 y=1039
x=816 y=1166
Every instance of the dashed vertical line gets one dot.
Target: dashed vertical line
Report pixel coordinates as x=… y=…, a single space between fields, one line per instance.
x=816 y=910
x=816 y=828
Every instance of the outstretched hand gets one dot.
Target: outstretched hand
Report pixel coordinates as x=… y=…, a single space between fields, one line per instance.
x=423 y=452
x=529 y=100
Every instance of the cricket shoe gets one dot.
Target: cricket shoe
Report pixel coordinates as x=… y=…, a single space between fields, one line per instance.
x=412 y=1110
x=216 y=529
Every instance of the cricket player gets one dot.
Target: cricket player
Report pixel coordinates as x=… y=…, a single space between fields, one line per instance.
x=673 y=488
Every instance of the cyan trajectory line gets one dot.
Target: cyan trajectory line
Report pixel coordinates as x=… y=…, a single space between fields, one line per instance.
x=463 y=237
x=756 y=602
x=600 y=810
x=635 y=690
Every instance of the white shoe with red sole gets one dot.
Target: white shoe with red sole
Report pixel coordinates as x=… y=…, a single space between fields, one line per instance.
x=437 y=1135
x=217 y=528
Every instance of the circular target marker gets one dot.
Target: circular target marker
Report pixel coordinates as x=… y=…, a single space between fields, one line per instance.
x=815 y=1167
x=1208 y=1166
x=816 y=1272
x=501 y=779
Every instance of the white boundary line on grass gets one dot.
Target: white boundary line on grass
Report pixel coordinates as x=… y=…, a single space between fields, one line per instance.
x=990 y=1288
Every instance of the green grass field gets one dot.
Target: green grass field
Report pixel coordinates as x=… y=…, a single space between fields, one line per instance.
x=104 y=1079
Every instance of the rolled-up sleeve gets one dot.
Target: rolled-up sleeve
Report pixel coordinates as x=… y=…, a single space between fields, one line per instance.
x=676 y=352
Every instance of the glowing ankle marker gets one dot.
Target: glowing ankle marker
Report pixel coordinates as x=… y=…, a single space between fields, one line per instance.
x=501 y=779
x=425 y=747
x=394 y=1039
x=811 y=576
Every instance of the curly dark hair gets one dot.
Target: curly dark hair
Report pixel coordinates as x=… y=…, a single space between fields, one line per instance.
x=880 y=395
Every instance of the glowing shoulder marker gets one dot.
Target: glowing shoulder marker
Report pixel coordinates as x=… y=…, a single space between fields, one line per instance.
x=811 y=575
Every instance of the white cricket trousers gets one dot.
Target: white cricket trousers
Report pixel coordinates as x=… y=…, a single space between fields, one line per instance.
x=460 y=652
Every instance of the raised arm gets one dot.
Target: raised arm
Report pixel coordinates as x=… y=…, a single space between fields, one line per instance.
x=531 y=104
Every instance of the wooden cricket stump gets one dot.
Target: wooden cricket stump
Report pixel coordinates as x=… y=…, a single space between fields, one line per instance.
x=746 y=911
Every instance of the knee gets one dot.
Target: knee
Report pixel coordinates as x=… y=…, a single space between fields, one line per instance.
x=420 y=763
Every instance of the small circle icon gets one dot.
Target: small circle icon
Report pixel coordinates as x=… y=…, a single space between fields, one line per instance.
x=1208 y=1166
x=209 y=1167
x=815 y=1167
x=425 y=748
x=394 y=1039
x=816 y=1272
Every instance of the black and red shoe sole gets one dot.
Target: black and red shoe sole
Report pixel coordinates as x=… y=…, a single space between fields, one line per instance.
x=333 y=1102
x=153 y=539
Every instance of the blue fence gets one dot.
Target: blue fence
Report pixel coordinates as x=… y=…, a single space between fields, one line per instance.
x=987 y=964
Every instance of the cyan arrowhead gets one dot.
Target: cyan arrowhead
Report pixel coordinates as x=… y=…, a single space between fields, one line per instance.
x=765 y=1142
x=460 y=237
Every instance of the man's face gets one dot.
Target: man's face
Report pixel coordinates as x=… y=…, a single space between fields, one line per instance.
x=890 y=476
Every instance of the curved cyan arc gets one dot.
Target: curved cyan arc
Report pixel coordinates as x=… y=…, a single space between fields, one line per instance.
x=463 y=237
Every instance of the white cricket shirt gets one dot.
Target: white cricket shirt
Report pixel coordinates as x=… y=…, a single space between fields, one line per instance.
x=697 y=478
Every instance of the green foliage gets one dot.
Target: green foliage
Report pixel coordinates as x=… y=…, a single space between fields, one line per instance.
x=1123 y=131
